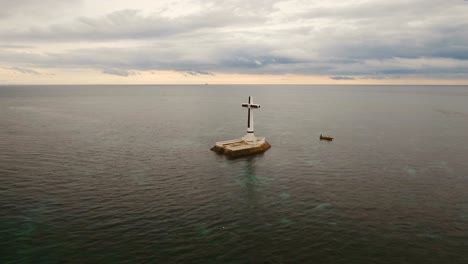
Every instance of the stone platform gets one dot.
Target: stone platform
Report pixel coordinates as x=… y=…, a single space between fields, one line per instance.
x=240 y=147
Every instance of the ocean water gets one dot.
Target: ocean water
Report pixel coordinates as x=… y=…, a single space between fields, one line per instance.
x=124 y=174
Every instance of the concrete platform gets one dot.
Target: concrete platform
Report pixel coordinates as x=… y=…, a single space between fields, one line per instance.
x=239 y=147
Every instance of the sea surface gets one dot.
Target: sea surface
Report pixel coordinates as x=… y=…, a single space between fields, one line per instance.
x=124 y=174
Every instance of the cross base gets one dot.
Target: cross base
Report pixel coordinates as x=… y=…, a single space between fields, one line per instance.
x=250 y=138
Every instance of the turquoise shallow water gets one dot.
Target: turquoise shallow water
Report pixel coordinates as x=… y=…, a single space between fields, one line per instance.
x=123 y=174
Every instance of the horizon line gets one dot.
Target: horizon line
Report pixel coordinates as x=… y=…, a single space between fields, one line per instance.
x=237 y=84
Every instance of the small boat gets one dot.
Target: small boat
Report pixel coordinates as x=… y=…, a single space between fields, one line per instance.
x=326 y=138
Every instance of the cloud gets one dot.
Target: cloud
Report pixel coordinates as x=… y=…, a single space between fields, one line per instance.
x=118 y=72
x=131 y=24
x=34 y=8
x=171 y=58
x=379 y=77
x=14 y=46
x=341 y=78
x=198 y=73
x=345 y=40
x=24 y=70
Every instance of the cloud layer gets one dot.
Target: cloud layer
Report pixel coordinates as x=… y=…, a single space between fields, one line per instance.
x=345 y=40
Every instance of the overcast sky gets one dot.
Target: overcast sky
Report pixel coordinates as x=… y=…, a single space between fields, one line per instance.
x=239 y=41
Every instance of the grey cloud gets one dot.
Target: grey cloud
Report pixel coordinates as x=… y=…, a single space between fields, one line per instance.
x=122 y=61
x=118 y=72
x=252 y=61
x=396 y=9
x=198 y=73
x=341 y=78
x=379 y=77
x=24 y=70
x=374 y=39
x=383 y=29
x=43 y=8
x=131 y=24
x=14 y=46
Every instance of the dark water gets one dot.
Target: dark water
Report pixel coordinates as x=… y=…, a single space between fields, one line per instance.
x=112 y=174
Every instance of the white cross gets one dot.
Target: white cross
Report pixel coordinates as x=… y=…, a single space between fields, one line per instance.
x=250 y=119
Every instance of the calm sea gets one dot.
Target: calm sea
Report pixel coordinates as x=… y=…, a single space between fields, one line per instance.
x=124 y=174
